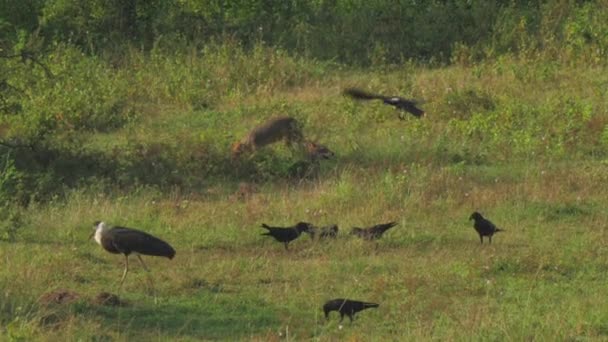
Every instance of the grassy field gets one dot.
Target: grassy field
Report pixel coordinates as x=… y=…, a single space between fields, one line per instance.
x=525 y=142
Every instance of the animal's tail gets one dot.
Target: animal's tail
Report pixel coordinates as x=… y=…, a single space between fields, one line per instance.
x=386 y=226
x=499 y=230
x=264 y=225
x=360 y=94
x=370 y=305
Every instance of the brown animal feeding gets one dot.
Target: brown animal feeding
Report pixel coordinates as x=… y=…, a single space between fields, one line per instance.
x=315 y=151
x=310 y=166
x=276 y=129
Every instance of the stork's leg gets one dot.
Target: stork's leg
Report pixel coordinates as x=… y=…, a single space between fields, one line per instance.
x=142 y=263
x=124 y=274
x=150 y=283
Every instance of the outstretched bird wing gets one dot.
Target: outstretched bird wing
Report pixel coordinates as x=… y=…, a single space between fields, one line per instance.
x=404 y=104
x=362 y=95
x=398 y=102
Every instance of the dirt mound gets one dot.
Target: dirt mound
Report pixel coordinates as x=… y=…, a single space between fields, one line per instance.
x=108 y=299
x=60 y=296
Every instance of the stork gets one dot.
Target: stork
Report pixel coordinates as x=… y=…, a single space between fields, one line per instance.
x=123 y=240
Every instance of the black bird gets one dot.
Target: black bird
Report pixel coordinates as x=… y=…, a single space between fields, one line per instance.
x=373 y=233
x=122 y=240
x=286 y=234
x=484 y=227
x=323 y=232
x=398 y=102
x=346 y=307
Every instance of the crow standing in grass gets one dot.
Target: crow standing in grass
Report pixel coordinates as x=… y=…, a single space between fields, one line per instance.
x=484 y=227
x=398 y=102
x=373 y=233
x=323 y=232
x=346 y=307
x=286 y=234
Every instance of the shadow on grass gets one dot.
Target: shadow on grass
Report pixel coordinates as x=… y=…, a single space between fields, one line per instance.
x=49 y=170
x=207 y=316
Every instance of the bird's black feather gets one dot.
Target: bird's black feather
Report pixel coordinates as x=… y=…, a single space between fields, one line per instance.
x=330 y=231
x=374 y=232
x=362 y=95
x=484 y=227
x=128 y=240
x=396 y=101
x=346 y=307
x=286 y=234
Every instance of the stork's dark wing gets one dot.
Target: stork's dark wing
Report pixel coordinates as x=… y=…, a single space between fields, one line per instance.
x=129 y=240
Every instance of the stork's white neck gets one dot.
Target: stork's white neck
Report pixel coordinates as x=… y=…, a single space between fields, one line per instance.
x=100 y=229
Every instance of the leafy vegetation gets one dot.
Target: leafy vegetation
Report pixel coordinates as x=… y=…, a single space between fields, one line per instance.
x=125 y=111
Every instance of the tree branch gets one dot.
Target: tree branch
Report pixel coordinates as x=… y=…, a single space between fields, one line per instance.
x=27 y=55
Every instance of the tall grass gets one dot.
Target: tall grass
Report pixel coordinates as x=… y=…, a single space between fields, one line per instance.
x=522 y=140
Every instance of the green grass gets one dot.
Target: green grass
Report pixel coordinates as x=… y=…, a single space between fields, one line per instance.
x=519 y=141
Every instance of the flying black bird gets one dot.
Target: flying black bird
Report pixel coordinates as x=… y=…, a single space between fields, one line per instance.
x=398 y=102
x=122 y=240
x=373 y=233
x=346 y=307
x=323 y=232
x=286 y=234
x=484 y=227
